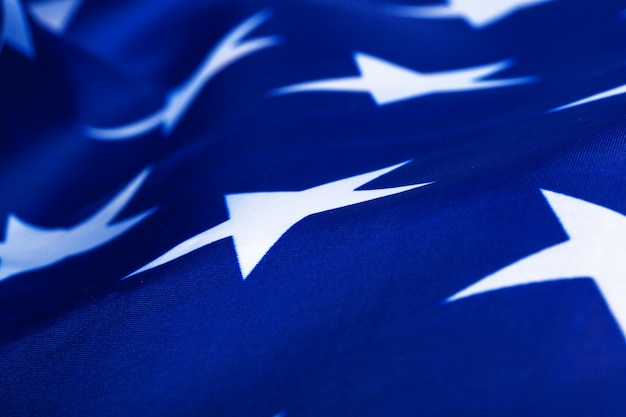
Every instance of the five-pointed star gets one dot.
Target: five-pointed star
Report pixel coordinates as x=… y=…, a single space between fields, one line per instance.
x=606 y=94
x=389 y=83
x=258 y=220
x=478 y=13
x=230 y=49
x=28 y=248
x=54 y=15
x=596 y=249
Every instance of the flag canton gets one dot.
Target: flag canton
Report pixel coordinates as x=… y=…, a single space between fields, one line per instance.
x=271 y=208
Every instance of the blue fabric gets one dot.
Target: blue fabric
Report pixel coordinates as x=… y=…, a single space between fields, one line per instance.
x=346 y=314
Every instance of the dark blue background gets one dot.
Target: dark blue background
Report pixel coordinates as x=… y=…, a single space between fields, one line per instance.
x=344 y=316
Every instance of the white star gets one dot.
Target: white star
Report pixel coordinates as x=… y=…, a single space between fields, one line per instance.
x=596 y=249
x=230 y=49
x=609 y=93
x=28 y=248
x=478 y=13
x=389 y=83
x=258 y=220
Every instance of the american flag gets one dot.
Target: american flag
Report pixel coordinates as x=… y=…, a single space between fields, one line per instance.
x=313 y=208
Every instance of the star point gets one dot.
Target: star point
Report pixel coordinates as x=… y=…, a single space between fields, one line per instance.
x=595 y=249
x=600 y=96
x=55 y=15
x=15 y=30
x=28 y=248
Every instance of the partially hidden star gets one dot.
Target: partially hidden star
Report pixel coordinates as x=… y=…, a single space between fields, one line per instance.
x=258 y=220
x=29 y=248
x=596 y=249
x=389 y=83
x=477 y=13
x=230 y=49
